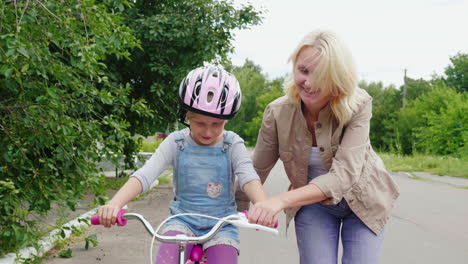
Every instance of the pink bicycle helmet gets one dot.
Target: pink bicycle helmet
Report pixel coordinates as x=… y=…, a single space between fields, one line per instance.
x=210 y=91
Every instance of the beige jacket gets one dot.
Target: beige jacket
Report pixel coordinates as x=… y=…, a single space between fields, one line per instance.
x=355 y=172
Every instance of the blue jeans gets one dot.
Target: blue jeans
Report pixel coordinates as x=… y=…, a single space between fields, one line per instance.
x=318 y=232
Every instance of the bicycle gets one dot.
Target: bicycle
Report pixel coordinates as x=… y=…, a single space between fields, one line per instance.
x=196 y=255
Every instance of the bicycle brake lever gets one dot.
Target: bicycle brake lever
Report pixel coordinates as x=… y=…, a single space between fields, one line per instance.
x=242 y=221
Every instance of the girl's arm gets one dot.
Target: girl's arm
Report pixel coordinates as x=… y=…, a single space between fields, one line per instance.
x=255 y=191
x=108 y=213
x=265 y=154
x=249 y=181
x=140 y=181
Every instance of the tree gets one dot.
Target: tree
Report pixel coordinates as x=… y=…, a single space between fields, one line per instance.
x=385 y=106
x=60 y=112
x=446 y=130
x=253 y=84
x=415 y=88
x=434 y=123
x=457 y=72
x=252 y=127
x=176 y=36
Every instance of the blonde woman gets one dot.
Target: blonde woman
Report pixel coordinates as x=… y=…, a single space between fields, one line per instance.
x=320 y=131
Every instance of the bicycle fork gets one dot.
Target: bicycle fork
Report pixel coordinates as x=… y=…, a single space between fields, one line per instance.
x=195 y=256
x=182 y=251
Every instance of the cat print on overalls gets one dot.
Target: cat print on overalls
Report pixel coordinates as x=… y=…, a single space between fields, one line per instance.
x=203 y=184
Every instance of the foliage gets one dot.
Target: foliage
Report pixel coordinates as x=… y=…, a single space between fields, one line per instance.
x=419 y=123
x=429 y=118
x=414 y=88
x=446 y=132
x=252 y=83
x=150 y=146
x=91 y=239
x=176 y=36
x=60 y=111
x=457 y=72
x=166 y=178
x=257 y=92
x=66 y=253
x=114 y=183
x=385 y=106
x=253 y=126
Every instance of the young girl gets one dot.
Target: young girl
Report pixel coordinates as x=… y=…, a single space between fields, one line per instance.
x=206 y=160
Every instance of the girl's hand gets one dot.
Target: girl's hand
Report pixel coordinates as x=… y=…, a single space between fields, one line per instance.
x=108 y=215
x=265 y=212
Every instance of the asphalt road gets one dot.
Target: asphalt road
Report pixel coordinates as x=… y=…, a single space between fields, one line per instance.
x=429 y=226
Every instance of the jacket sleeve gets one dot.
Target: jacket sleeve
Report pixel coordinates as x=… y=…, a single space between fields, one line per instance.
x=265 y=154
x=350 y=157
x=266 y=150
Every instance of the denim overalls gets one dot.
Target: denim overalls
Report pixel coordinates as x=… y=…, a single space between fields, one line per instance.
x=204 y=184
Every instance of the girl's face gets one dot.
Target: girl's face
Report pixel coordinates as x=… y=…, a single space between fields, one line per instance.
x=206 y=130
x=306 y=62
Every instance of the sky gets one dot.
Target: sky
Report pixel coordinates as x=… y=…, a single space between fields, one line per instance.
x=385 y=37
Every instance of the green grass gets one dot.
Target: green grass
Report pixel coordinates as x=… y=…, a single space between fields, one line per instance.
x=437 y=165
x=414 y=177
x=166 y=178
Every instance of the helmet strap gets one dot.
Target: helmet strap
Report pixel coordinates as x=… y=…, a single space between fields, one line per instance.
x=182 y=115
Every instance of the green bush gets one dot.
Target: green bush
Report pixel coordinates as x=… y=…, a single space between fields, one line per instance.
x=446 y=132
x=385 y=105
x=58 y=108
x=150 y=146
x=253 y=126
x=435 y=123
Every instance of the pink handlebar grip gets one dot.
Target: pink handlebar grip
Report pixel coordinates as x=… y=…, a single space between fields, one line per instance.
x=121 y=221
x=247 y=215
x=95 y=220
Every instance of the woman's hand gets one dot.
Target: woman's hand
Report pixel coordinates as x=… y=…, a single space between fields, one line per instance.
x=265 y=212
x=108 y=215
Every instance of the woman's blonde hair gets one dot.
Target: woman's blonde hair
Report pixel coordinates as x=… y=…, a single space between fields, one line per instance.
x=335 y=73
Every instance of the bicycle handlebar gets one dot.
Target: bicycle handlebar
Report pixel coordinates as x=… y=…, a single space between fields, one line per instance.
x=120 y=221
x=239 y=219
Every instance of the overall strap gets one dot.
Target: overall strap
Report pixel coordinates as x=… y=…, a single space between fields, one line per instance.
x=227 y=141
x=179 y=139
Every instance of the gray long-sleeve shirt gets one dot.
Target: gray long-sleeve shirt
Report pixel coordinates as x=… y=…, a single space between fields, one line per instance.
x=165 y=157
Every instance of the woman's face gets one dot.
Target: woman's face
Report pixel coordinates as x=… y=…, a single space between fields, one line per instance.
x=206 y=130
x=306 y=62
